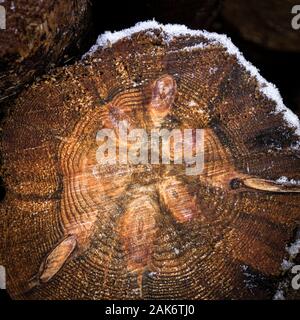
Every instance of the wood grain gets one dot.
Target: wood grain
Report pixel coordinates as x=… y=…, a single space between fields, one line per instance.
x=36 y=37
x=90 y=231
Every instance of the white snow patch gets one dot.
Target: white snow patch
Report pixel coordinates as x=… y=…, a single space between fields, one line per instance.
x=249 y=281
x=191 y=48
x=294 y=248
x=152 y=274
x=172 y=31
x=176 y=251
x=279 y=295
x=286 y=265
x=286 y=180
x=136 y=291
x=193 y=103
x=108 y=38
x=213 y=70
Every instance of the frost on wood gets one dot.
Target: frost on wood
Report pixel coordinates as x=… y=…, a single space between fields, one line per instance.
x=294 y=248
x=172 y=31
x=148 y=231
x=286 y=180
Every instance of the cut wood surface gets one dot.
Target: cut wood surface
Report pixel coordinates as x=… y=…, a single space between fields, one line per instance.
x=76 y=229
x=36 y=36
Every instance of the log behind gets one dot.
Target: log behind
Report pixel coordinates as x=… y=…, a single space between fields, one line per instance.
x=37 y=35
x=267 y=23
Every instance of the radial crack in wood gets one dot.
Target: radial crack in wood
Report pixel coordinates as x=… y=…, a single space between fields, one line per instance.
x=57 y=258
x=271 y=186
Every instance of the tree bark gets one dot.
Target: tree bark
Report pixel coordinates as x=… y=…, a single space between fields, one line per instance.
x=36 y=37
